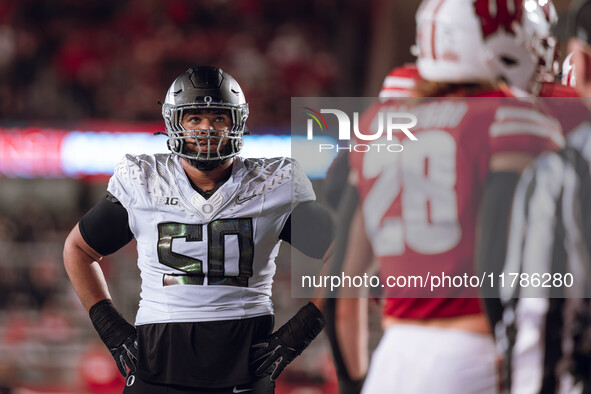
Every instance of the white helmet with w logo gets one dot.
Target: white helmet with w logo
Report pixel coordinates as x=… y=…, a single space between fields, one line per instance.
x=473 y=41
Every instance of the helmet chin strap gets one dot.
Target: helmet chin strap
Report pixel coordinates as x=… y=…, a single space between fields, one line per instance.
x=207 y=165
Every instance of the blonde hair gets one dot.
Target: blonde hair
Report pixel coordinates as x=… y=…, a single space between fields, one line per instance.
x=426 y=88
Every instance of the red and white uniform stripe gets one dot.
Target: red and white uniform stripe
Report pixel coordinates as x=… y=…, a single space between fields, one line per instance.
x=400 y=82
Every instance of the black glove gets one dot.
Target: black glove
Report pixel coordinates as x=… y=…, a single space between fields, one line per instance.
x=119 y=336
x=272 y=354
x=125 y=356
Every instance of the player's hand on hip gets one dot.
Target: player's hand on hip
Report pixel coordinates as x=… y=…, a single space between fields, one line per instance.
x=272 y=354
x=125 y=356
x=117 y=334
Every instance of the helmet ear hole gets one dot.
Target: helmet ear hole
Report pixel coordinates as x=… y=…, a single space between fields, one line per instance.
x=508 y=61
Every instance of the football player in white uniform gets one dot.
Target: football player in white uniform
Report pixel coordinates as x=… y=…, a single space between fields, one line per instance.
x=208 y=224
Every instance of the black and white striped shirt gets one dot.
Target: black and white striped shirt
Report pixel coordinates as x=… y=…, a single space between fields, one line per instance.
x=545 y=332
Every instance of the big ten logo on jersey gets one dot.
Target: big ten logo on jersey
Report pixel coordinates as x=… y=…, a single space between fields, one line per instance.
x=381 y=132
x=412 y=202
x=162 y=200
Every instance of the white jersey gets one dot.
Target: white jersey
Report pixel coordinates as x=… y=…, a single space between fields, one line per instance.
x=207 y=259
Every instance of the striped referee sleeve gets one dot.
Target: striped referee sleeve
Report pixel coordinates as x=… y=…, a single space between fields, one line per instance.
x=548 y=238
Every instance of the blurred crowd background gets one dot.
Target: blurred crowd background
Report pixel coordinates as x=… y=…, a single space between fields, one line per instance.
x=68 y=60
x=64 y=61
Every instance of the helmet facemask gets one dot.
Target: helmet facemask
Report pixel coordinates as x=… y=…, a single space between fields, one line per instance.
x=228 y=142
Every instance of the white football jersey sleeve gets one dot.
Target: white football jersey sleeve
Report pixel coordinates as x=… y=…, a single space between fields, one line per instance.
x=207 y=259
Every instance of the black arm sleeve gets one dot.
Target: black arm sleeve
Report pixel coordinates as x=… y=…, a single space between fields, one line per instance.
x=336 y=179
x=105 y=228
x=491 y=237
x=309 y=229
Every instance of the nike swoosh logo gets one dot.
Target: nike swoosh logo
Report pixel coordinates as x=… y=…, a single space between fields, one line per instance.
x=245 y=199
x=237 y=390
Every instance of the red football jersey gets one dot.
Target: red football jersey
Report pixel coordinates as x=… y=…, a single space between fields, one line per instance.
x=565 y=104
x=420 y=204
x=400 y=82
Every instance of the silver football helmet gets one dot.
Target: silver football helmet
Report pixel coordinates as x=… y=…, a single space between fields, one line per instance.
x=205 y=88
